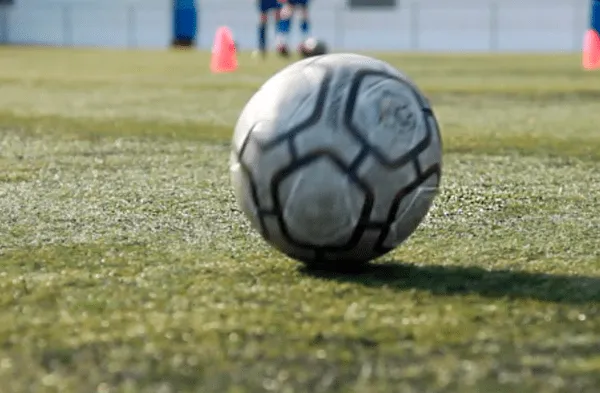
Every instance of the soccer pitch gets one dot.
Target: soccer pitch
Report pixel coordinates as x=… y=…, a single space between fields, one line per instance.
x=126 y=267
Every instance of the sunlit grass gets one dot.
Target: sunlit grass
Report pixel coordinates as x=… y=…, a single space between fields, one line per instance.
x=127 y=268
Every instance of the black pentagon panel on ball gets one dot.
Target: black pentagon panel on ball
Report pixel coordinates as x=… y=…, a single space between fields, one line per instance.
x=323 y=137
x=262 y=211
x=263 y=164
x=270 y=126
x=424 y=176
x=385 y=183
x=359 y=134
x=358 y=255
x=315 y=116
x=283 y=245
x=362 y=220
x=432 y=153
x=245 y=172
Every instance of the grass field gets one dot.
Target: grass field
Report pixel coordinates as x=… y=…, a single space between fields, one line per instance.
x=125 y=266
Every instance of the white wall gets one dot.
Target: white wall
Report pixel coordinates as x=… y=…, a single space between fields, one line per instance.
x=3 y=24
x=427 y=25
x=117 y=23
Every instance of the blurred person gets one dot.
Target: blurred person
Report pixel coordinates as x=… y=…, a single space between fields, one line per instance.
x=285 y=23
x=266 y=7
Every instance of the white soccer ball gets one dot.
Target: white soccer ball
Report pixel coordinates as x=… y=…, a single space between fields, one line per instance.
x=336 y=159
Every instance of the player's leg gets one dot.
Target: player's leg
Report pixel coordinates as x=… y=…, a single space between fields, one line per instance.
x=262 y=33
x=302 y=6
x=283 y=28
x=278 y=33
x=264 y=7
x=285 y=20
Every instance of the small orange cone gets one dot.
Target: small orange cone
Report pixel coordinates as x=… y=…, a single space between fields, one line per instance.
x=591 y=50
x=224 y=57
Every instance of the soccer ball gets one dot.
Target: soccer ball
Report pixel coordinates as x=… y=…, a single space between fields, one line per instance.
x=312 y=47
x=336 y=160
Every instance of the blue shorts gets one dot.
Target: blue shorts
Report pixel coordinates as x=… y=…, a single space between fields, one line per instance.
x=268 y=5
x=300 y=2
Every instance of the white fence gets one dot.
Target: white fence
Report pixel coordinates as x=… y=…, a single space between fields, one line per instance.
x=425 y=25
x=92 y=23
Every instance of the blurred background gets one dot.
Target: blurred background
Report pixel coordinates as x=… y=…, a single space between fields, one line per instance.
x=412 y=25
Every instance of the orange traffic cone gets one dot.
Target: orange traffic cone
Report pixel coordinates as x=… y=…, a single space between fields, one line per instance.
x=591 y=50
x=224 y=57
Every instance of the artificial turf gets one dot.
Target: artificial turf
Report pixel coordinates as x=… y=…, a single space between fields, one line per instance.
x=126 y=267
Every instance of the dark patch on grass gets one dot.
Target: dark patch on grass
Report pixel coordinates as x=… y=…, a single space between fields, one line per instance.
x=470 y=280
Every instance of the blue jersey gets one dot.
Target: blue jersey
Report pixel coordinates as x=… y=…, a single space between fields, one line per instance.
x=299 y=2
x=267 y=5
